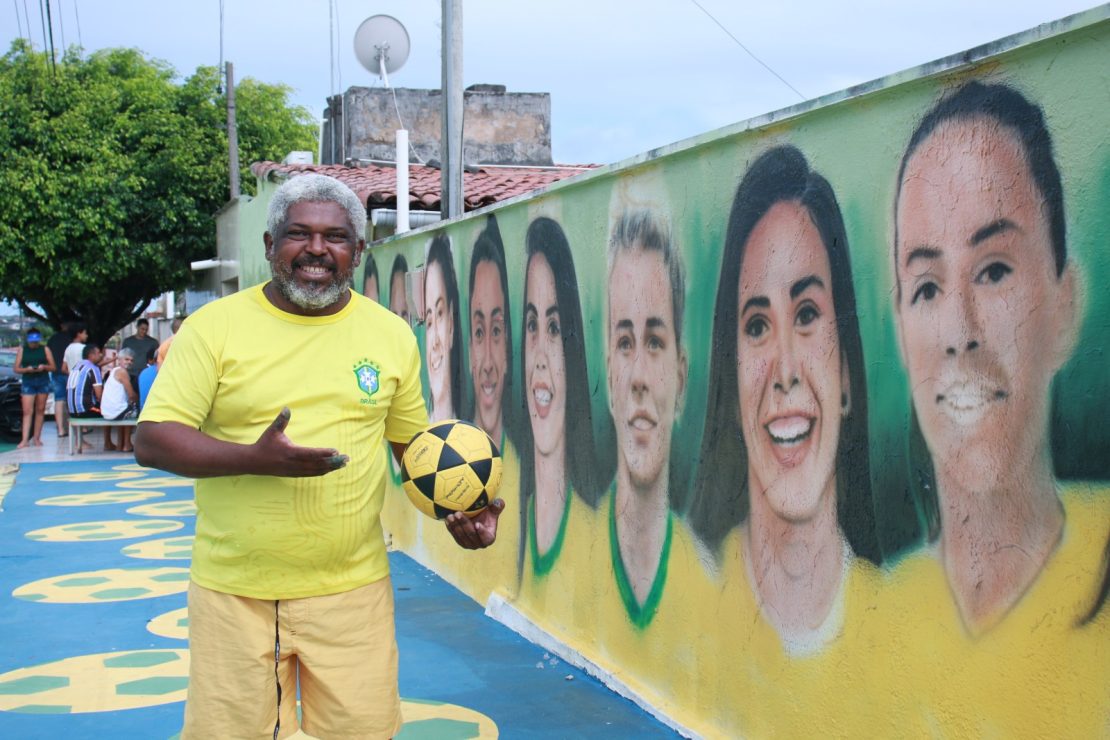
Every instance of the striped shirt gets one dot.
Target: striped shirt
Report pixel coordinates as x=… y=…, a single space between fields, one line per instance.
x=80 y=396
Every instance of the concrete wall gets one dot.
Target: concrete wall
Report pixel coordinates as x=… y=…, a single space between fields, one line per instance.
x=859 y=484
x=500 y=127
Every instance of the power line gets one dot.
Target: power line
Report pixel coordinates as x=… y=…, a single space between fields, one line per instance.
x=749 y=51
x=62 y=26
x=18 y=23
x=77 y=17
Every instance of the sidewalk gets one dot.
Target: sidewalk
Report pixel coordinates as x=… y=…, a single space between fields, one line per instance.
x=93 y=628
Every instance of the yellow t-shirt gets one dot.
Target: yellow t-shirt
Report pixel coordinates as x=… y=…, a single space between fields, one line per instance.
x=350 y=380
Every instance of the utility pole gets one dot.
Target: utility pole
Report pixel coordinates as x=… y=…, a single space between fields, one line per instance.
x=451 y=139
x=232 y=137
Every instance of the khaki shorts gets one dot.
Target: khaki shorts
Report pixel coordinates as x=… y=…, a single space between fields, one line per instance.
x=342 y=648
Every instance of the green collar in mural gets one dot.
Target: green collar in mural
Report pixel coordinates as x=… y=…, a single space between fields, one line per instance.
x=542 y=564
x=641 y=615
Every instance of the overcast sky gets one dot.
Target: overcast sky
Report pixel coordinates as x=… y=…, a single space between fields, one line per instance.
x=624 y=76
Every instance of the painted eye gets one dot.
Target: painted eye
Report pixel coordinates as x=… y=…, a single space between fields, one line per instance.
x=479 y=333
x=807 y=314
x=995 y=272
x=655 y=343
x=553 y=329
x=496 y=331
x=926 y=292
x=756 y=327
x=530 y=325
x=624 y=343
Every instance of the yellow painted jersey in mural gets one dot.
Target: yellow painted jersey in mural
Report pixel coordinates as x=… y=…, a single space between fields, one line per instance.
x=1038 y=673
x=557 y=593
x=350 y=380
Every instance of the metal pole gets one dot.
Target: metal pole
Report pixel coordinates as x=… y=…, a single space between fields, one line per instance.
x=232 y=136
x=451 y=181
x=402 y=155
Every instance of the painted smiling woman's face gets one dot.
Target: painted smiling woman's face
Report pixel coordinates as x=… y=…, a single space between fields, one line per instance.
x=488 y=351
x=789 y=364
x=439 y=321
x=545 y=381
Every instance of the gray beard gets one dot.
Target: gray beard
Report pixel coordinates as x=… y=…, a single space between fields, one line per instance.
x=309 y=298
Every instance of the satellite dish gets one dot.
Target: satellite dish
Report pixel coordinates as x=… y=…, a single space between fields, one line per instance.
x=382 y=45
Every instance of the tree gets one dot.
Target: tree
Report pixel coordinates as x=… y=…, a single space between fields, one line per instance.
x=111 y=175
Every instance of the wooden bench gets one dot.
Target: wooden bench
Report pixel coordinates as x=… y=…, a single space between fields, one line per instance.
x=77 y=424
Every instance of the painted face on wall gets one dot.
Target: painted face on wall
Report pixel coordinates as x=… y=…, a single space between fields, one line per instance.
x=488 y=355
x=646 y=370
x=789 y=367
x=370 y=287
x=984 y=322
x=439 y=323
x=398 y=296
x=545 y=382
x=312 y=256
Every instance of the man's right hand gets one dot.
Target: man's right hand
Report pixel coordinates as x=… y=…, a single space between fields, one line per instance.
x=275 y=451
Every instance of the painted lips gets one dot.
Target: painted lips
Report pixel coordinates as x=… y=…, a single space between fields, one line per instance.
x=542 y=396
x=790 y=437
x=966 y=403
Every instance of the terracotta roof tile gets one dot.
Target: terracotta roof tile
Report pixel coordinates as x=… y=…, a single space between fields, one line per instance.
x=376 y=185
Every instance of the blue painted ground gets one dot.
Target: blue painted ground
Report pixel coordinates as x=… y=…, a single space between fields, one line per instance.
x=450 y=652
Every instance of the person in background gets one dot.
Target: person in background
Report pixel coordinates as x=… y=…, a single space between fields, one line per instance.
x=71 y=357
x=34 y=363
x=164 y=347
x=120 y=401
x=146 y=377
x=57 y=345
x=140 y=343
x=85 y=387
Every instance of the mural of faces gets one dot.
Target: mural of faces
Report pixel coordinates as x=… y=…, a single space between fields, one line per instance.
x=440 y=337
x=399 y=290
x=488 y=347
x=790 y=365
x=647 y=373
x=370 y=284
x=982 y=314
x=545 y=382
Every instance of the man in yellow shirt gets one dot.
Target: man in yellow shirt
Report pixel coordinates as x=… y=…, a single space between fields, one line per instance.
x=277 y=400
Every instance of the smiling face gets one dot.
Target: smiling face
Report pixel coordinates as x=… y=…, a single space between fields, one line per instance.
x=545 y=381
x=439 y=322
x=647 y=371
x=312 y=256
x=488 y=355
x=789 y=366
x=984 y=321
x=398 y=296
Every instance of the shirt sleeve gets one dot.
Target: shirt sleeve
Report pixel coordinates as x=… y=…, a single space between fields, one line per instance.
x=185 y=387
x=407 y=413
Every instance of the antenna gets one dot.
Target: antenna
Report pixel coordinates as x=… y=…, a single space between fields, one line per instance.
x=382 y=45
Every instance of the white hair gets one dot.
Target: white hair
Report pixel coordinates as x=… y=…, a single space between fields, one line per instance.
x=315 y=188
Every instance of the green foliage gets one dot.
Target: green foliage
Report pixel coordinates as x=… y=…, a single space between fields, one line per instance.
x=112 y=173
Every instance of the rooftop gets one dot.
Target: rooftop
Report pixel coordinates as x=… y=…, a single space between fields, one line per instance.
x=376 y=184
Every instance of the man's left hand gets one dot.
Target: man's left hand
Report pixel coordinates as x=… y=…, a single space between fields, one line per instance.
x=479 y=532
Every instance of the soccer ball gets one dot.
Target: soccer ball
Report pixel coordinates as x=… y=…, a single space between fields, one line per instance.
x=451 y=466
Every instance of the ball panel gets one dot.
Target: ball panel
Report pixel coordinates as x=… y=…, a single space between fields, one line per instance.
x=493 y=483
x=470 y=441
x=482 y=468
x=456 y=488
x=422 y=456
x=449 y=457
x=441 y=430
x=419 y=500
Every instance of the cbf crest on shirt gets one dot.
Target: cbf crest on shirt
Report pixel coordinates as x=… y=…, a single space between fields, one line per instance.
x=368 y=375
